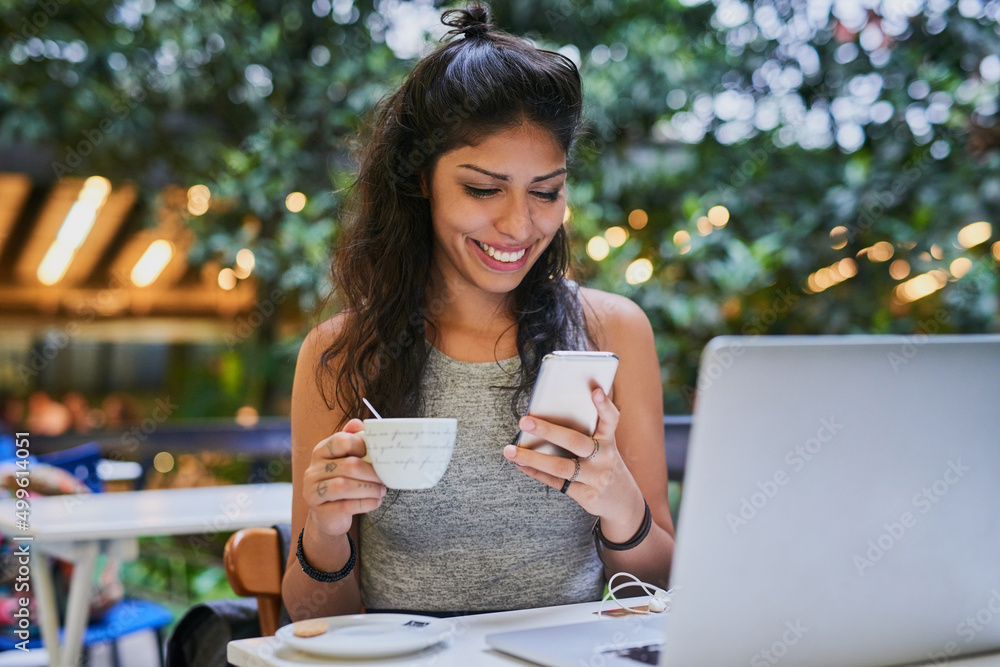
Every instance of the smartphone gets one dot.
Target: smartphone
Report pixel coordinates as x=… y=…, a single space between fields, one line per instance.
x=561 y=394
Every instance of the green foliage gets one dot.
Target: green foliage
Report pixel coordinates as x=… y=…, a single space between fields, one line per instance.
x=795 y=122
x=178 y=572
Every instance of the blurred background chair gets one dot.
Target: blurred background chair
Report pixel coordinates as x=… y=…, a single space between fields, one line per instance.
x=81 y=462
x=125 y=616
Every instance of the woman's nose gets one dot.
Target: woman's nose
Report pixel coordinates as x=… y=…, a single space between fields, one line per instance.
x=515 y=222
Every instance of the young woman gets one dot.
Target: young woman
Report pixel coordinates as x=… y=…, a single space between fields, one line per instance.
x=452 y=269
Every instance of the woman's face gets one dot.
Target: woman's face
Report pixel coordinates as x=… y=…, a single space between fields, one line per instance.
x=496 y=206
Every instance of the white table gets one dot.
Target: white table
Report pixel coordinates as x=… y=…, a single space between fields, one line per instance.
x=469 y=646
x=78 y=528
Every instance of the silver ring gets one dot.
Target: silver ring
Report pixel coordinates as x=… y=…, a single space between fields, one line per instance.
x=597 y=448
x=576 y=473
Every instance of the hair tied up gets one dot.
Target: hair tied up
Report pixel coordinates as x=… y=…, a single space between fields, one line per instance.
x=471 y=22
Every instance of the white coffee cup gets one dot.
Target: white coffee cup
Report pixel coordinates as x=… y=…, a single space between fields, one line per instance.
x=410 y=452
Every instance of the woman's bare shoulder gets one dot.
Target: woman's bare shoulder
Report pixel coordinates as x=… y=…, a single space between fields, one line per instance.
x=325 y=333
x=617 y=317
x=321 y=337
x=308 y=389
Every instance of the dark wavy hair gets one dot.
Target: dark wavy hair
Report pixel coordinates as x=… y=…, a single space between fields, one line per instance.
x=482 y=81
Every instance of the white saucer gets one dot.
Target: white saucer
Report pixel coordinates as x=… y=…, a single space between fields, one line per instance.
x=371 y=635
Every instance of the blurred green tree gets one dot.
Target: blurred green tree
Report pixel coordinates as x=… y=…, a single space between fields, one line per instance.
x=749 y=168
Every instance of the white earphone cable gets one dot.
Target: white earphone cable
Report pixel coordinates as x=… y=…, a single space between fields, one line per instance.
x=659 y=599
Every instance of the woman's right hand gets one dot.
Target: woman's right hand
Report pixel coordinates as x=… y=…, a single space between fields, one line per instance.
x=338 y=483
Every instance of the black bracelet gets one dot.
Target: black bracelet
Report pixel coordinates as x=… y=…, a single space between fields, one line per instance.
x=647 y=523
x=319 y=575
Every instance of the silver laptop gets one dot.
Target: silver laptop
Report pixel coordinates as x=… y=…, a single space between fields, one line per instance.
x=841 y=507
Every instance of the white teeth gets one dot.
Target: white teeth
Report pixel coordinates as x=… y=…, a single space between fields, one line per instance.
x=501 y=256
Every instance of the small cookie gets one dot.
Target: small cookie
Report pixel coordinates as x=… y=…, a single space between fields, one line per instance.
x=309 y=628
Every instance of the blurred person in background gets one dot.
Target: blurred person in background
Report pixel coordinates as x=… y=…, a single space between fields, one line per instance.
x=47 y=416
x=120 y=410
x=80 y=412
x=11 y=413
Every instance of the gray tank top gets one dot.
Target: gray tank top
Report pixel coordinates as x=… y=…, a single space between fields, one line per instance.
x=487 y=537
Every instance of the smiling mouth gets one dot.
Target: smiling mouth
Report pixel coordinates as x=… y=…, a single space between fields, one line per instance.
x=501 y=256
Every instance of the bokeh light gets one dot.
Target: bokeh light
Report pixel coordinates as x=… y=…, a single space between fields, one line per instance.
x=639 y=271
x=921 y=286
x=838 y=237
x=974 y=234
x=881 y=251
x=198 y=199
x=899 y=269
x=616 y=236
x=847 y=267
x=682 y=240
x=247 y=416
x=598 y=248
x=245 y=261
x=295 y=202
x=163 y=462
x=227 y=279
x=960 y=266
x=831 y=275
x=74 y=230
x=638 y=219
x=718 y=216
x=151 y=264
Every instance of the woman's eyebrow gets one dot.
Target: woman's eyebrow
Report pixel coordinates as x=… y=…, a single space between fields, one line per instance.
x=502 y=177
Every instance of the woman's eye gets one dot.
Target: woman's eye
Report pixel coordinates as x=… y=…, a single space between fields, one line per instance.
x=548 y=196
x=479 y=192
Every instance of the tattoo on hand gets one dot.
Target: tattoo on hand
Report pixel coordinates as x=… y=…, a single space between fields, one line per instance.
x=321 y=489
x=330 y=467
x=329 y=448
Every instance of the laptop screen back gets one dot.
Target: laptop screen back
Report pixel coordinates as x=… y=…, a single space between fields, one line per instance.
x=841 y=503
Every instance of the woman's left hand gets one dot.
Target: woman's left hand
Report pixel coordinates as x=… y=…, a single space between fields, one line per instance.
x=604 y=486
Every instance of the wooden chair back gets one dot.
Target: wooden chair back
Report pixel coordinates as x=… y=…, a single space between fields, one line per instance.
x=254 y=566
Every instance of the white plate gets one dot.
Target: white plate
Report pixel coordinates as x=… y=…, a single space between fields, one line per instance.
x=371 y=635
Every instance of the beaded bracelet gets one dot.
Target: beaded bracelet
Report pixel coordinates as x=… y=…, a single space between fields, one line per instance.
x=647 y=523
x=319 y=575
